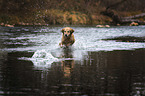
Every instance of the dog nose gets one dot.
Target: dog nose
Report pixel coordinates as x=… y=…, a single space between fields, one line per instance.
x=65 y=35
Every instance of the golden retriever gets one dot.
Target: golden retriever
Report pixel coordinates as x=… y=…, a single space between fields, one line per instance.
x=67 y=37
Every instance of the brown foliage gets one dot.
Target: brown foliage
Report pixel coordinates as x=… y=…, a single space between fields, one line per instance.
x=59 y=11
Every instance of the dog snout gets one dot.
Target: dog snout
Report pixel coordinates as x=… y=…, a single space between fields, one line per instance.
x=65 y=35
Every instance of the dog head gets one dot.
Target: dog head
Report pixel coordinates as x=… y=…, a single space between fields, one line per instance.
x=67 y=31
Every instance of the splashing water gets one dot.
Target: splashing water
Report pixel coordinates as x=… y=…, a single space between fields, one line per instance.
x=44 y=41
x=43 y=58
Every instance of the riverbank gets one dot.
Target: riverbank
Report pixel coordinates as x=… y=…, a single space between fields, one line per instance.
x=58 y=17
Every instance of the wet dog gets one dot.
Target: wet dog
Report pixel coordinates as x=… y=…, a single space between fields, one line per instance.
x=67 y=37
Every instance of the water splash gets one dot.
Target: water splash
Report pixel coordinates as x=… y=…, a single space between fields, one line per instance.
x=43 y=58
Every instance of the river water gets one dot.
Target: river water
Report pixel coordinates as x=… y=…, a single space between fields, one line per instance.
x=32 y=63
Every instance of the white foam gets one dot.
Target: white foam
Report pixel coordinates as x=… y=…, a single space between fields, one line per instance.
x=42 y=58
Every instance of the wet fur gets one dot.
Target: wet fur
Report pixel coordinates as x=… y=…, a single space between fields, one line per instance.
x=67 y=37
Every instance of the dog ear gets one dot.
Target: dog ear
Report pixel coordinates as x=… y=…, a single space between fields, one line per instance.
x=62 y=30
x=72 y=30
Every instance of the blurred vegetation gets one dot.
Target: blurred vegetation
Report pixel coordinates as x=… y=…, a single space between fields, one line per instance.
x=64 y=11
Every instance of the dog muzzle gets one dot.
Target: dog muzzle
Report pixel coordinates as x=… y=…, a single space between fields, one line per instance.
x=65 y=35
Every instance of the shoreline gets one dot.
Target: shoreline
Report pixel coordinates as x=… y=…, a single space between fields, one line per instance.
x=59 y=17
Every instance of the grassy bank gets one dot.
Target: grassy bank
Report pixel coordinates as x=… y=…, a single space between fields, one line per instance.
x=54 y=17
x=80 y=12
x=59 y=17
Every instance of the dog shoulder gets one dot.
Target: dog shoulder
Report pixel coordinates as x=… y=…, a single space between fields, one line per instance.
x=72 y=37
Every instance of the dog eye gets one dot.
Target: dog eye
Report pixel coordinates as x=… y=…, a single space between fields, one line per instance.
x=68 y=31
x=64 y=31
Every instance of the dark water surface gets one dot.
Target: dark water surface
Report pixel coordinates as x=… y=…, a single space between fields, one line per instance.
x=32 y=63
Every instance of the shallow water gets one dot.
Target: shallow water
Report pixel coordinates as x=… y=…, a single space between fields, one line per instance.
x=33 y=64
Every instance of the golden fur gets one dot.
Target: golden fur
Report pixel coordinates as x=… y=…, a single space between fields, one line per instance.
x=67 y=37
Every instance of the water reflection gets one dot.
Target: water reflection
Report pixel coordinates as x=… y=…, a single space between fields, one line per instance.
x=67 y=65
x=117 y=73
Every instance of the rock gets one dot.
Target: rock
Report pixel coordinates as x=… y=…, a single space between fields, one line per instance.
x=103 y=26
x=107 y=26
x=8 y=25
x=100 y=26
x=2 y=24
x=134 y=24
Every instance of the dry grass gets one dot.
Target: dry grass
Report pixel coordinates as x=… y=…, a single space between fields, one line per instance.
x=64 y=17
